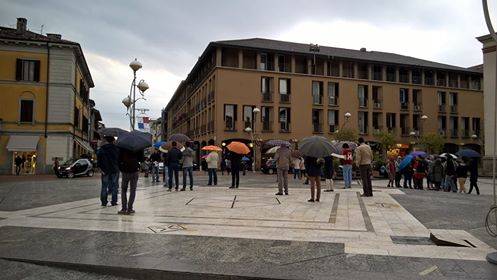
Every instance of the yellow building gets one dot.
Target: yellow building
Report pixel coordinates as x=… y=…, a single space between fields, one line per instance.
x=45 y=110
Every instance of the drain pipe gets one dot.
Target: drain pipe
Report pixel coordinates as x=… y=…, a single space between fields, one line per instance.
x=46 y=91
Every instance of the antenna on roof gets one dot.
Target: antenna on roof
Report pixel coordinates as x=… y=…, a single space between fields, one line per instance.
x=41 y=29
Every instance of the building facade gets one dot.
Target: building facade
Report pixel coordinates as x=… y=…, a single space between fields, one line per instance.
x=45 y=112
x=302 y=90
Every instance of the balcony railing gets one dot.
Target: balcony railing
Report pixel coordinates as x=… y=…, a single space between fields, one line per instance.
x=417 y=107
x=453 y=133
x=465 y=133
x=267 y=125
x=453 y=109
x=267 y=97
x=317 y=127
x=284 y=98
x=404 y=106
x=404 y=130
x=377 y=104
x=441 y=108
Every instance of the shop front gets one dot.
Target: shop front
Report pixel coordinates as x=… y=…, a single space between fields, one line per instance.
x=23 y=149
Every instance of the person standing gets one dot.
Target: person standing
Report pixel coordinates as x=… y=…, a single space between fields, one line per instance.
x=108 y=161
x=223 y=164
x=56 y=167
x=437 y=174
x=347 y=165
x=473 y=176
x=398 y=172
x=165 y=171
x=235 y=162
x=313 y=168
x=408 y=171
x=364 y=158
x=188 y=154
x=296 y=168
x=129 y=165
x=391 y=173
x=282 y=157
x=419 y=173
x=462 y=174
x=18 y=162
x=328 y=172
x=450 y=173
x=154 y=160
x=173 y=160
x=212 y=160
x=303 y=171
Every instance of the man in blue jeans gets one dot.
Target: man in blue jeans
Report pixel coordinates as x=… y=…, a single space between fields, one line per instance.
x=347 y=165
x=173 y=161
x=108 y=161
x=188 y=154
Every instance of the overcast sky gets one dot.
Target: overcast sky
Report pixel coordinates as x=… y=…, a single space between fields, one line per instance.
x=169 y=36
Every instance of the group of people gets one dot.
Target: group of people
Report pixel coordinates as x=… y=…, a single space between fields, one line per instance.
x=441 y=173
x=313 y=169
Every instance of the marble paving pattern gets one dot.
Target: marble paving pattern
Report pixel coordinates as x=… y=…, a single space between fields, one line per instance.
x=363 y=225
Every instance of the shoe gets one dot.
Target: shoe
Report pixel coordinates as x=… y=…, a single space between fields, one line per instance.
x=231 y=187
x=209 y=184
x=236 y=187
x=286 y=193
x=176 y=189
x=310 y=200
x=363 y=195
x=114 y=204
x=278 y=193
x=169 y=189
x=131 y=211
x=182 y=189
x=191 y=188
x=104 y=205
x=122 y=212
x=317 y=200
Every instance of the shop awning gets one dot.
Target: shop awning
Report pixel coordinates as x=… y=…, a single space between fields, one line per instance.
x=84 y=144
x=22 y=143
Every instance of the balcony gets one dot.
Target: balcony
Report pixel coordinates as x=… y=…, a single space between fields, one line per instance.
x=377 y=104
x=210 y=97
x=404 y=106
x=453 y=109
x=333 y=102
x=267 y=97
x=284 y=127
x=267 y=126
x=284 y=98
x=317 y=128
x=441 y=108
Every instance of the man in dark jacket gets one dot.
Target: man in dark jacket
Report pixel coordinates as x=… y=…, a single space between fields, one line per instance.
x=235 y=160
x=129 y=165
x=108 y=161
x=155 y=159
x=174 y=156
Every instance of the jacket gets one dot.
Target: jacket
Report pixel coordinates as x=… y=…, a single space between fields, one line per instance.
x=462 y=171
x=155 y=157
x=437 y=172
x=188 y=157
x=235 y=161
x=212 y=160
x=364 y=155
x=173 y=157
x=328 y=168
x=108 y=159
x=296 y=163
x=129 y=162
x=283 y=157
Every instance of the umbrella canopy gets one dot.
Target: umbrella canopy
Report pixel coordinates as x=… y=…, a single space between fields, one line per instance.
x=468 y=153
x=211 y=148
x=134 y=141
x=296 y=154
x=111 y=131
x=338 y=145
x=445 y=155
x=405 y=162
x=238 y=148
x=272 y=150
x=179 y=137
x=158 y=144
x=316 y=146
x=338 y=156
x=169 y=145
x=273 y=143
x=245 y=158
x=418 y=154
x=162 y=150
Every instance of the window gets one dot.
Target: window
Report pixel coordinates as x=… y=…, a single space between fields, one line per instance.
x=267 y=118
x=377 y=72
x=441 y=79
x=429 y=78
x=391 y=122
x=475 y=82
x=416 y=76
x=76 y=117
x=282 y=63
x=453 y=102
x=442 y=125
x=465 y=127
x=404 y=124
x=26 y=111
x=377 y=121
x=333 y=120
x=284 y=89
x=363 y=71
x=284 y=119
x=264 y=62
x=416 y=123
x=454 y=127
x=230 y=117
x=362 y=92
x=347 y=69
x=416 y=98
x=441 y=101
x=403 y=75
x=363 y=122
x=267 y=89
x=377 y=96
x=248 y=116
x=317 y=123
x=464 y=81
x=333 y=68
x=317 y=92
x=391 y=74
x=453 y=80
x=476 y=126
x=332 y=94
x=85 y=124
x=404 y=98
x=28 y=70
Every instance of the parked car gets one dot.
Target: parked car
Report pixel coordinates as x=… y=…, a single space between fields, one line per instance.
x=269 y=167
x=73 y=168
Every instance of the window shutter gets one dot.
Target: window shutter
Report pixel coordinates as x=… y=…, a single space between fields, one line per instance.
x=37 y=71
x=288 y=115
x=235 y=112
x=18 y=69
x=336 y=90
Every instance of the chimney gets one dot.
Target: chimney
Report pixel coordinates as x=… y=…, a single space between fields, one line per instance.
x=363 y=49
x=54 y=36
x=21 y=25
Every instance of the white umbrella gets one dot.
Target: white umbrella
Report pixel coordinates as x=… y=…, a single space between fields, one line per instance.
x=338 y=156
x=272 y=150
x=445 y=155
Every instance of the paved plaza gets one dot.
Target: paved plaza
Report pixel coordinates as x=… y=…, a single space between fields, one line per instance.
x=218 y=232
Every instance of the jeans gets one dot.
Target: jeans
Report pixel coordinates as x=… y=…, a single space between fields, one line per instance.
x=18 y=169
x=347 y=175
x=450 y=185
x=110 y=183
x=212 y=175
x=235 y=177
x=407 y=180
x=164 y=175
x=188 y=170
x=132 y=179
x=296 y=173
x=173 y=170
x=155 y=173
x=367 y=186
x=282 y=180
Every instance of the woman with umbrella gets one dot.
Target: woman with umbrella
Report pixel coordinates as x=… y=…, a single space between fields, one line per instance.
x=212 y=160
x=473 y=176
x=237 y=150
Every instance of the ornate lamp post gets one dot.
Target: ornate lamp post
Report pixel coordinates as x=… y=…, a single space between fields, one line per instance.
x=255 y=142
x=130 y=100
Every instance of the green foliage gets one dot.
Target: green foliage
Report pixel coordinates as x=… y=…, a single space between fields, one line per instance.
x=432 y=143
x=386 y=140
x=345 y=134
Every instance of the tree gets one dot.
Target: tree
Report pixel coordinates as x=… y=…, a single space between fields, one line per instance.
x=346 y=134
x=432 y=143
x=386 y=140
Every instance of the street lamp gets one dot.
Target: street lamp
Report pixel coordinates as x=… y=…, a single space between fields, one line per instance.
x=347 y=117
x=130 y=100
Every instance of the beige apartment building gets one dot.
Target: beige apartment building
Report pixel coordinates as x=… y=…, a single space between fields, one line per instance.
x=301 y=90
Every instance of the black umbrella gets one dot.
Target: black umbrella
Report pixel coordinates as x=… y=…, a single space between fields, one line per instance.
x=274 y=143
x=179 y=137
x=134 y=141
x=316 y=146
x=111 y=131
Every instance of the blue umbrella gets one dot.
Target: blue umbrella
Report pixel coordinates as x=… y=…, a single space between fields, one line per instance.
x=468 y=153
x=405 y=162
x=418 y=154
x=159 y=143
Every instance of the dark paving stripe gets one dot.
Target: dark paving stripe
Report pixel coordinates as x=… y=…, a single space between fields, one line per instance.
x=365 y=215
x=334 y=209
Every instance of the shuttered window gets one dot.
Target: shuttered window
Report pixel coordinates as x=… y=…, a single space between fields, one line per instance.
x=26 y=112
x=28 y=70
